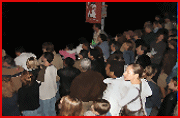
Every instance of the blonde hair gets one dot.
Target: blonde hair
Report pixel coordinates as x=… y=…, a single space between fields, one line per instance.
x=70 y=106
x=32 y=63
x=7 y=87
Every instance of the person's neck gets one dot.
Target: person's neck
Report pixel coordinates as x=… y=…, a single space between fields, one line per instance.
x=136 y=81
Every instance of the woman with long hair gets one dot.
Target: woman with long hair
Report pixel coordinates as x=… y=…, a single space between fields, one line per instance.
x=70 y=106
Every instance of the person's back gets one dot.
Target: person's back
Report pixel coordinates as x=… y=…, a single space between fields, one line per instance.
x=87 y=86
x=67 y=75
x=105 y=49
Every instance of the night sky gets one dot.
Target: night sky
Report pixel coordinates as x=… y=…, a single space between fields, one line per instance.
x=31 y=24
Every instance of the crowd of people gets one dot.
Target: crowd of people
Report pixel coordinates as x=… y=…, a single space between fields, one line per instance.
x=127 y=75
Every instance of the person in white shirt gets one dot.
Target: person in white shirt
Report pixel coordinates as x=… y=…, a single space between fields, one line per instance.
x=22 y=57
x=48 y=88
x=122 y=90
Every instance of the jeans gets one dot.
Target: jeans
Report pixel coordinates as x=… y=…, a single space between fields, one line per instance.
x=148 y=110
x=47 y=107
x=31 y=112
x=57 y=94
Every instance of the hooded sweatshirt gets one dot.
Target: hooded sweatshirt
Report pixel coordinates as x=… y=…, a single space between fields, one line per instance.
x=120 y=92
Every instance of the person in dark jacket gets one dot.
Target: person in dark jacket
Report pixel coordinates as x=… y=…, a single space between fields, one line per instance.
x=67 y=75
x=170 y=101
x=28 y=95
x=97 y=64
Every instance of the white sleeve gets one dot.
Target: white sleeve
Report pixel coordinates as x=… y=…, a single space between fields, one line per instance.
x=131 y=94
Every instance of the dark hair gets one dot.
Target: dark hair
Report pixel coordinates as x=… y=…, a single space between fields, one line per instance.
x=137 y=69
x=48 y=46
x=94 y=53
x=49 y=56
x=130 y=44
x=101 y=106
x=9 y=60
x=174 y=32
x=82 y=40
x=84 y=53
x=87 y=45
x=138 y=33
x=143 y=60
x=117 y=67
x=173 y=42
x=144 y=47
x=70 y=46
x=175 y=81
x=149 y=70
x=20 y=49
x=116 y=44
x=27 y=78
x=69 y=61
x=98 y=25
x=103 y=37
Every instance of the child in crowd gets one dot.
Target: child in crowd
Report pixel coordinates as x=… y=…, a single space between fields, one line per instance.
x=99 y=107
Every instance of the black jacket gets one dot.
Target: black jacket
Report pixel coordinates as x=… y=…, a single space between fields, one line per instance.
x=66 y=77
x=168 y=105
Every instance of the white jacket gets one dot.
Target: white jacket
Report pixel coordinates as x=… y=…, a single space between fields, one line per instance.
x=119 y=92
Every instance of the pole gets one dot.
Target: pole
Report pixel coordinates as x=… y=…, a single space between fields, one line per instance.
x=102 y=20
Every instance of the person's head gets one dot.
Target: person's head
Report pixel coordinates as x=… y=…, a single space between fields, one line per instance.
x=8 y=61
x=27 y=78
x=115 y=46
x=160 y=35
x=32 y=63
x=69 y=46
x=100 y=107
x=157 y=17
x=83 y=54
x=137 y=34
x=7 y=87
x=148 y=28
x=48 y=58
x=155 y=24
x=142 y=49
x=82 y=40
x=167 y=19
x=85 y=64
x=150 y=71
x=172 y=44
x=70 y=106
x=93 y=54
x=173 y=84
x=117 y=37
x=115 y=69
x=128 y=45
x=47 y=47
x=19 y=50
x=68 y=62
x=134 y=73
x=86 y=46
x=172 y=32
x=96 y=26
x=143 y=60
x=102 y=37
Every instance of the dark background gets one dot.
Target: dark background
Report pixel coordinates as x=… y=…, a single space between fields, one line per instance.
x=31 y=24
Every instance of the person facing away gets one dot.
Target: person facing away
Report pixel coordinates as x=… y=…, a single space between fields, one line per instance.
x=88 y=85
x=100 y=107
x=9 y=98
x=103 y=44
x=128 y=54
x=67 y=74
x=22 y=57
x=48 y=88
x=70 y=106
